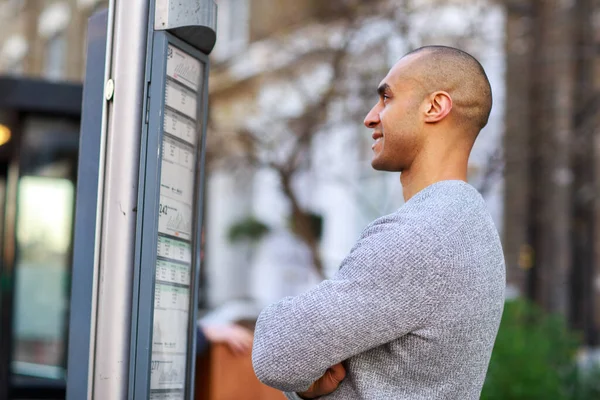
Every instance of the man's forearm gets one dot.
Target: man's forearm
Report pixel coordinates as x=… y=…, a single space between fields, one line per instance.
x=278 y=356
x=369 y=302
x=293 y=396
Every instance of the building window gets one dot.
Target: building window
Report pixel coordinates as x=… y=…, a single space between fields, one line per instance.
x=54 y=60
x=14 y=50
x=53 y=22
x=88 y=4
x=232 y=28
x=11 y=8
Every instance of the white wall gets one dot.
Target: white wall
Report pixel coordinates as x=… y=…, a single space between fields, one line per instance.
x=227 y=266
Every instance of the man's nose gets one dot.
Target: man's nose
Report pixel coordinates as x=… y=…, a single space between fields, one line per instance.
x=372 y=118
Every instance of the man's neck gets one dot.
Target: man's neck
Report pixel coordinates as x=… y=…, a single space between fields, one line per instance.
x=414 y=180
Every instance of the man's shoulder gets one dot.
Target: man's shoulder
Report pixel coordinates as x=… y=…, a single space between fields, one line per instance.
x=454 y=206
x=432 y=221
x=401 y=232
x=395 y=224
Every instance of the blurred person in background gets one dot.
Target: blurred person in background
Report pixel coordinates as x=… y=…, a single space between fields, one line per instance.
x=414 y=309
x=236 y=337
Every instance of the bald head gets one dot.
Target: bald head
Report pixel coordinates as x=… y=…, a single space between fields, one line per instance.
x=432 y=103
x=461 y=76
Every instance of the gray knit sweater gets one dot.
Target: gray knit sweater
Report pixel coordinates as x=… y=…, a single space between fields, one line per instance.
x=413 y=310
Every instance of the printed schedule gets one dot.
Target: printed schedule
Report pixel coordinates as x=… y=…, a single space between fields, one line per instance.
x=173 y=273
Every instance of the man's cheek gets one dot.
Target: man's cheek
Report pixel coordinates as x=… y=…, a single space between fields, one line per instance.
x=383 y=119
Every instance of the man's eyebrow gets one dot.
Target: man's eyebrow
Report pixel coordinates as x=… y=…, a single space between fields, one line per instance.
x=384 y=87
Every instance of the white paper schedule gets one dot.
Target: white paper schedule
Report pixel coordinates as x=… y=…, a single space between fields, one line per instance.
x=183 y=68
x=177 y=153
x=181 y=99
x=176 y=222
x=177 y=171
x=174 y=249
x=167 y=395
x=172 y=272
x=170 y=319
x=175 y=218
x=171 y=298
x=166 y=339
x=181 y=127
x=168 y=371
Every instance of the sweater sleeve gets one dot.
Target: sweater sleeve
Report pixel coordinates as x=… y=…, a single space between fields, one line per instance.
x=292 y=396
x=383 y=290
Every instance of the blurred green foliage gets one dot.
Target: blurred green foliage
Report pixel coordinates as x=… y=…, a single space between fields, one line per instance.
x=249 y=228
x=585 y=384
x=534 y=358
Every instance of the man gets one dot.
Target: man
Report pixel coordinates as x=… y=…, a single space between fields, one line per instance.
x=414 y=309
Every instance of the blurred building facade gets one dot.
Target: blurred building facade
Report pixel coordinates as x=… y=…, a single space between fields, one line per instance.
x=266 y=51
x=45 y=39
x=254 y=88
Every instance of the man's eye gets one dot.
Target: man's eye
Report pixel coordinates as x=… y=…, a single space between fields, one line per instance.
x=385 y=97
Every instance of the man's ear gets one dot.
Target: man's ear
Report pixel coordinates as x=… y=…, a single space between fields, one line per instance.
x=438 y=106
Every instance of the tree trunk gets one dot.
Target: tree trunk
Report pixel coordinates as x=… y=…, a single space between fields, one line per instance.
x=553 y=101
x=516 y=238
x=302 y=223
x=583 y=188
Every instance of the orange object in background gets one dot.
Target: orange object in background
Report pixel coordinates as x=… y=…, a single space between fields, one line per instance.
x=222 y=375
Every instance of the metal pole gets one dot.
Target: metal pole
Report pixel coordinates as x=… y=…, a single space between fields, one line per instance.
x=100 y=195
x=113 y=323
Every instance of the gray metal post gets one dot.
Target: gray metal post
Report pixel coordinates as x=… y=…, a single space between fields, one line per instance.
x=119 y=189
x=117 y=238
x=83 y=290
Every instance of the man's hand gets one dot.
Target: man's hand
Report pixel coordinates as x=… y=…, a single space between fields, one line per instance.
x=327 y=383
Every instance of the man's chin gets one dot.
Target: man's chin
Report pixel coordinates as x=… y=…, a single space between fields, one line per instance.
x=381 y=165
x=378 y=165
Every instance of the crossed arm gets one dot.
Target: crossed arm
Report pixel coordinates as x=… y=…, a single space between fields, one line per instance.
x=383 y=290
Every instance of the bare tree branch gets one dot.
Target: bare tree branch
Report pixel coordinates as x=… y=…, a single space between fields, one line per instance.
x=291 y=150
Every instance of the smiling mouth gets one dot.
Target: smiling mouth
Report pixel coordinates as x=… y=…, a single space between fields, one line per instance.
x=378 y=137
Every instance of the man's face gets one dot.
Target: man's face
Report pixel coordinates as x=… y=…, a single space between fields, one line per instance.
x=395 y=120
